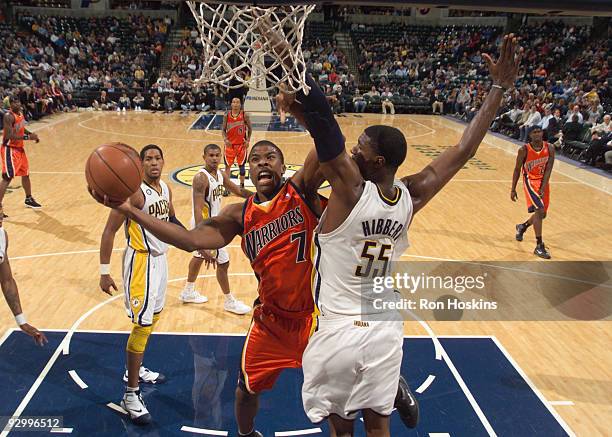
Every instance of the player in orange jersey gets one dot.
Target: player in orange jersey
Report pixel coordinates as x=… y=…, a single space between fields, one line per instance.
x=236 y=132
x=276 y=225
x=14 y=158
x=535 y=159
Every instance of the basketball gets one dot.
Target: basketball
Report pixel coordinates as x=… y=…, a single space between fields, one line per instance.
x=114 y=170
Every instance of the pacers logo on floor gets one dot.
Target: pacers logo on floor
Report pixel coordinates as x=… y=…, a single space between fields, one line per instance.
x=185 y=175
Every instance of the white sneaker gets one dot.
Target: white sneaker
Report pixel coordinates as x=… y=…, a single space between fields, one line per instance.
x=123 y=110
x=134 y=405
x=118 y=110
x=192 y=296
x=235 y=306
x=147 y=376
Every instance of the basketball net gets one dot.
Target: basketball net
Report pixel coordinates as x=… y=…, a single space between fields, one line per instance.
x=235 y=54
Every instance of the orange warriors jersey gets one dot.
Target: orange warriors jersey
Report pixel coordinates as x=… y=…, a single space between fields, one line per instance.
x=534 y=167
x=14 y=159
x=19 y=126
x=235 y=128
x=277 y=240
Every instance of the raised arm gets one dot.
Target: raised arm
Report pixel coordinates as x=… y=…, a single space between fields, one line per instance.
x=425 y=185
x=235 y=189
x=213 y=233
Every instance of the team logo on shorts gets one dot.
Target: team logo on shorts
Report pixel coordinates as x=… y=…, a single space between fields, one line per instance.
x=135 y=302
x=185 y=175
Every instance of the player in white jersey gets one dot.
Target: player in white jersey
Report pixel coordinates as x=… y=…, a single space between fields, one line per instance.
x=207 y=190
x=11 y=294
x=145 y=276
x=352 y=361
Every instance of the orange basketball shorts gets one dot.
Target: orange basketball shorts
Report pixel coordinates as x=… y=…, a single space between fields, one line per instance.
x=272 y=344
x=235 y=153
x=14 y=162
x=532 y=190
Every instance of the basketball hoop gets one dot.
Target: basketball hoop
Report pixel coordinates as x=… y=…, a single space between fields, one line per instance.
x=232 y=44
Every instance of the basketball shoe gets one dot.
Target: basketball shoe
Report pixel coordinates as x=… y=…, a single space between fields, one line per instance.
x=147 y=376
x=235 y=306
x=406 y=404
x=31 y=203
x=520 y=230
x=191 y=295
x=133 y=403
x=541 y=251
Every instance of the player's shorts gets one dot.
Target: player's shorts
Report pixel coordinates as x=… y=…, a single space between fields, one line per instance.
x=350 y=365
x=145 y=278
x=273 y=343
x=534 y=201
x=14 y=162
x=235 y=153
x=221 y=255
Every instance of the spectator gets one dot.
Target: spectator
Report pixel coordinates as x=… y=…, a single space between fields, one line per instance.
x=170 y=103
x=155 y=102
x=138 y=102
x=572 y=129
x=387 y=104
x=187 y=102
x=359 y=102
x=437 y=102
x=575 y=111
x=533 y=119
x=124 y=103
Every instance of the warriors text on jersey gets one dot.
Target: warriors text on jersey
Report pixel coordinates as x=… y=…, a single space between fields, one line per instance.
x=157 y=205
x=19 y=128
x=277 y=240
x=350 y=257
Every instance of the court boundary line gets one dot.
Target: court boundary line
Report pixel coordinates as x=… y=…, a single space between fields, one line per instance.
x=7 y=334
x=533 y=387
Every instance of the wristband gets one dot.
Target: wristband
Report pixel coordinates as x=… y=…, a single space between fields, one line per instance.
x=499 y=87
x=26 y=137
x=104 y=269
x=20 y=319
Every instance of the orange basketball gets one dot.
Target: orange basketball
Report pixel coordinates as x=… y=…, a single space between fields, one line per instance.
x=114 y=170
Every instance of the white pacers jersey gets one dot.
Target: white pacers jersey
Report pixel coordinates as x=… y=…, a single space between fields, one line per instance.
x=2 y=245
x=157 y=205
x=212 y=201
x=361 y=248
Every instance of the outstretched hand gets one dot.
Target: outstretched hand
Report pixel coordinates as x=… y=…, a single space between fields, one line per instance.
x=504 y=71
x=123 y=206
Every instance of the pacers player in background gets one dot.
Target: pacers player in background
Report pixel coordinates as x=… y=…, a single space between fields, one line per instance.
x=14 y=158
x=145 y=276
x=11 y=294
x=535 y=159
x=236 y=132
x=206 y=192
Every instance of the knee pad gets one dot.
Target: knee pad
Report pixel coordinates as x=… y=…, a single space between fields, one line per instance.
x=137 y=342
x=242 y=170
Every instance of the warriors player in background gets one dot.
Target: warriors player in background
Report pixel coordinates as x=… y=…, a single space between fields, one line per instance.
x=236 y=132
x=14 y=158
x=145 y=275
x=353 y=359
x=11 y=294
x=535 y=160
x=206 y=192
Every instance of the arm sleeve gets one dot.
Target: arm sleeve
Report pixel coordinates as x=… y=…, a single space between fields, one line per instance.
x=320 y=122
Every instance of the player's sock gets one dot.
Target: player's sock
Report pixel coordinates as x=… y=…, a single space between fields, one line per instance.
x=539 y=240
x=229 y=297
x=131 y=389
x=253 y=433
x=189 y=286
x=526 y=224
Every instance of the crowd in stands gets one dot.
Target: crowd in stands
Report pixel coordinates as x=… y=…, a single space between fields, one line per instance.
x=50 y=60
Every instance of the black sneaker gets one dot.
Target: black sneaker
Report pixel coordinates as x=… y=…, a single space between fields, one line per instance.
x=31 y=203
x=406 y=404
x=520 y=230
x=4 y=216
x=541 y=251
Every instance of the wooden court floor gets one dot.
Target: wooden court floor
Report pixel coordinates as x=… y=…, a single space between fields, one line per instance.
x=54 y=251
